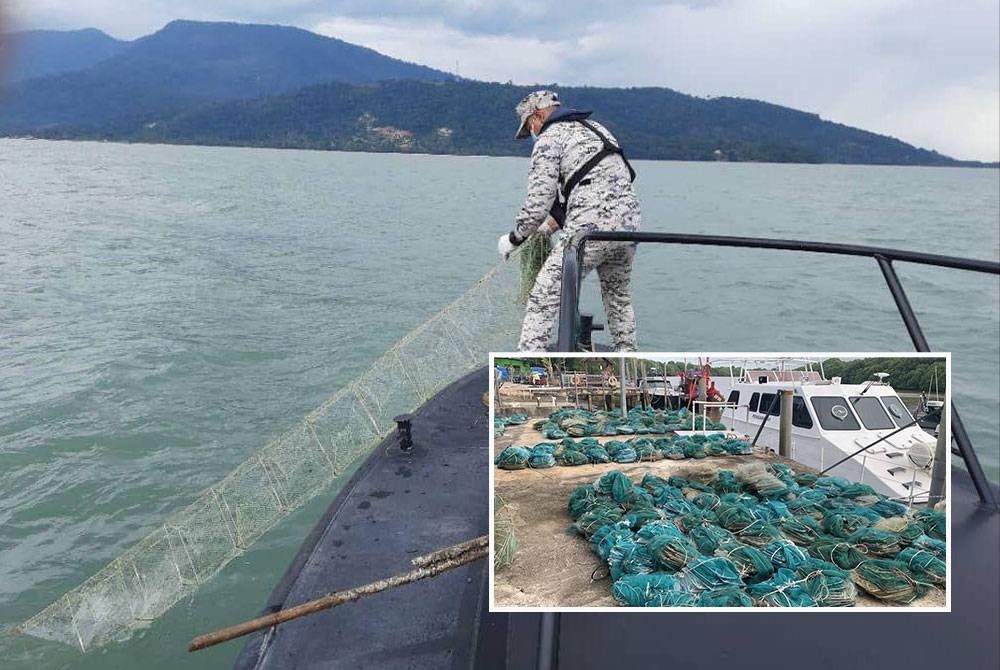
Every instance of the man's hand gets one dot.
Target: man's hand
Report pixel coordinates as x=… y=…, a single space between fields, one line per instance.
x=506 y=246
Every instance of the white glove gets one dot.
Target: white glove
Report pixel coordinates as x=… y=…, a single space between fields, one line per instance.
x=505 y=246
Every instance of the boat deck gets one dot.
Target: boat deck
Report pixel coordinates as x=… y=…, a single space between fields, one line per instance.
x=396 y=507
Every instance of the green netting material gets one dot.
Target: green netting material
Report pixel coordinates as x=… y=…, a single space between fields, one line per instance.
x=676 y=542
x=888 y=580
x=322 y=448
x=505 y=541
x=512 y=458
x=532 y=253
x=565 y=423
x=924 y=565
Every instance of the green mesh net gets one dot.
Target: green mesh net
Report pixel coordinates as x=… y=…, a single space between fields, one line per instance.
x=504 y=539
x=827 y=584
x=888 y=580
x=321 y=449
x=532 y=254
x=837 y=551
x=681 y=541
x=876 y=542
x=570 y=457
x=924 y=565
x=512 y=458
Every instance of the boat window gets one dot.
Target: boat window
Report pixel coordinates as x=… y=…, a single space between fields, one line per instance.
x=753 y=402
x=897 y=409
x=734 y=397
x=833 y=413
x=800 y=413
x=765 y=404
x=871 y=412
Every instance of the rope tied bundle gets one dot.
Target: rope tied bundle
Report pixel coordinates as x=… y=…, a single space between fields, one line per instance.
x=676 y=542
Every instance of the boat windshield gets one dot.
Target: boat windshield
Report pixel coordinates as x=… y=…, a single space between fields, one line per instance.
x=897 y=409
x=833 y=413
x=871 y=412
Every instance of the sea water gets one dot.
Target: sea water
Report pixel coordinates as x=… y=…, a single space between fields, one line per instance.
x=166 y=310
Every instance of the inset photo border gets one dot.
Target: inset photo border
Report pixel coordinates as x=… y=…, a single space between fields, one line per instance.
x=734 y=481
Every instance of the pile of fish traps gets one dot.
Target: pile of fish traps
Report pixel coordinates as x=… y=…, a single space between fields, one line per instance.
x=759 y=536
x=500 y=423
x=581 y=423
x=589 y=450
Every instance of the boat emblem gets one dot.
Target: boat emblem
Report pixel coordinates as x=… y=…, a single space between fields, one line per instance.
x=839 y=412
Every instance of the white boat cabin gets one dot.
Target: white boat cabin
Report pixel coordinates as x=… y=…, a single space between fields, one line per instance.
x=831 y=421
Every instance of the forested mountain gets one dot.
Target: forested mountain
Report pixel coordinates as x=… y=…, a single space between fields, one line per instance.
x=39 y=53
x=467 y=117
x=253 y=85
x=189 y=62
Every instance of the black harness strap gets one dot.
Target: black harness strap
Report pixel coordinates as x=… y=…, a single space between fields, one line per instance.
x=609 y=149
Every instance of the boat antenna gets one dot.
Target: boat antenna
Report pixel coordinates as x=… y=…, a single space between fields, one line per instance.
x=881 y=380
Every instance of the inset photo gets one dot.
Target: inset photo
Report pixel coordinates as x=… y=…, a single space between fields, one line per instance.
x=720 y=480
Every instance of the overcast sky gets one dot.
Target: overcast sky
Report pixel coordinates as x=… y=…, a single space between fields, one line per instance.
x=925 y=71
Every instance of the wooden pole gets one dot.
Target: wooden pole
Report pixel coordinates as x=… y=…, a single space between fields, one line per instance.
x=340 y=597
x=451 y=552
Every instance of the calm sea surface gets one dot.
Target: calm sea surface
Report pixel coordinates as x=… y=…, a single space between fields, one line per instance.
x=164 y=311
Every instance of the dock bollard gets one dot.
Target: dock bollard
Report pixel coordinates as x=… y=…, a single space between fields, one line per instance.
x=785 y=424
x=403 y=431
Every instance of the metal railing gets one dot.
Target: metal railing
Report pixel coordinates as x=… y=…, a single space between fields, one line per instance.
x=569 y=305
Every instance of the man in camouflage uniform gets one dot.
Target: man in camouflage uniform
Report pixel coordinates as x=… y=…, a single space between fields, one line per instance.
x=602 y=200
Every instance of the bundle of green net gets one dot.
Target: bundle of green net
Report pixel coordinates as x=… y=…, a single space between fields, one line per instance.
x=610 y=423
x=500 y=423
x=589 y=450
x=533 y=252
x=761 y=535
x=504 y=539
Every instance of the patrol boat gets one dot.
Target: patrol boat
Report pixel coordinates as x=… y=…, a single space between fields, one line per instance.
x=831 y=422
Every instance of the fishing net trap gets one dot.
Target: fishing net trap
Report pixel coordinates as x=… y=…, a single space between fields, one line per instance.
x=738 y=539
x=194 y=544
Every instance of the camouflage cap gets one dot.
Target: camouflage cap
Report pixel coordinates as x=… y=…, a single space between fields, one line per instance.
x=532 y=103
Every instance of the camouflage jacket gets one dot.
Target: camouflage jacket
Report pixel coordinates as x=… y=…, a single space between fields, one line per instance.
x=562 y=148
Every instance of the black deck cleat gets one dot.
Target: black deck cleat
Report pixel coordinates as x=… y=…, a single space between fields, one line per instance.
x=403 y=432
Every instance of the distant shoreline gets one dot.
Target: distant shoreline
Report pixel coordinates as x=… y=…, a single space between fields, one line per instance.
x=221 y=145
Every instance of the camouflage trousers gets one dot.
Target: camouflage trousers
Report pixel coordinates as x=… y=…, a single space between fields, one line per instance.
x=613 y=262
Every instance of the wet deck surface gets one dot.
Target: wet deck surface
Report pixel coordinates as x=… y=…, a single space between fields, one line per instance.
x=396 y=507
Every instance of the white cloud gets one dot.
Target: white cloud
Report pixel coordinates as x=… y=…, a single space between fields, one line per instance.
x=486 y=57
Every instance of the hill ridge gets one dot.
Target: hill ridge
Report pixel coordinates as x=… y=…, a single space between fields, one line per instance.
x=230 y=83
